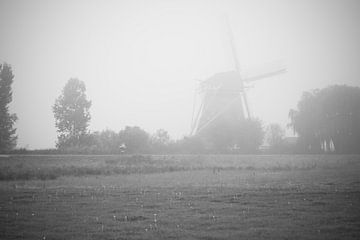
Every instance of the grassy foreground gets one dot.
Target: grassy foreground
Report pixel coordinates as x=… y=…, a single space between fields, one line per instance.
x=180 y=197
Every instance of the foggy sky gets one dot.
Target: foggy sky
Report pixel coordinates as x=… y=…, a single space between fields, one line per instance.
x=140 y=60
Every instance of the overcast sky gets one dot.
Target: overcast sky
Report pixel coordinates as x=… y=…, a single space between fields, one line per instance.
x=140 y=60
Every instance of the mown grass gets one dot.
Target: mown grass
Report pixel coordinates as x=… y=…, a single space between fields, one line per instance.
x=238 y=203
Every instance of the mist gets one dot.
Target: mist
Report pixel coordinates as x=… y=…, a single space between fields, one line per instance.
x=142 y=61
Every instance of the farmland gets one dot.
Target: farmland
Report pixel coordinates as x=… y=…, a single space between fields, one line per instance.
x=180 y=197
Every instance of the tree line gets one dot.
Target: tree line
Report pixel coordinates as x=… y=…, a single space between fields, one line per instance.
x=326 y=120
x=72 y=117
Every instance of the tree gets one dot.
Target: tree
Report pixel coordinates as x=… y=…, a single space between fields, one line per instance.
x=328 y=119
x=305 y=122
x=243 y=136
x=160 y=141
x=107 y=141
x=7 y=120
x=72 y=116
x=190 y=145
x=135 y=139
x=275 y=136
x=249 y=136
x=161 y=136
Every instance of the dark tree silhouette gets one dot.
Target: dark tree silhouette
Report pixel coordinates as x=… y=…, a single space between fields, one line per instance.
x=190 y=145
x=160 y=141
x=135 y=139
x=161 y=136
x=107 y=141
x=243 y=136
x=249 y=136
x=72 y=116
x=275 y=136
x=7 y=120
x=328 y=119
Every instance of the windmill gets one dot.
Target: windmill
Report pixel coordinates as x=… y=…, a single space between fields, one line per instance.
x=224 y=94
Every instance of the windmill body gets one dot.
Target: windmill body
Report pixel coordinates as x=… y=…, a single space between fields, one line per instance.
x=224 y=96
x=221 y=100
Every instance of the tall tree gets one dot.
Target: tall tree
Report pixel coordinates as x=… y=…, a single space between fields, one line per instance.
x=72 y=115
x=328 y=117
x=7 y=120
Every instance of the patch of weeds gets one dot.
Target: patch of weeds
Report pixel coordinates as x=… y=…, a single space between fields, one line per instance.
x=112 y=162
x=19 y=165
x=250 y=168
x=47 y=175
x=121 y=170
x=137 y=159
x=288 y=167
x=318 y=203
x=309 y=166
x=132 y=218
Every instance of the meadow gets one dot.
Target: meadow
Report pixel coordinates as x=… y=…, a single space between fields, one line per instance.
x=180 y=197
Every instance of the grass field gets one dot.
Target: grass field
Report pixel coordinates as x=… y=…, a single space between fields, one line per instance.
x=180 y=197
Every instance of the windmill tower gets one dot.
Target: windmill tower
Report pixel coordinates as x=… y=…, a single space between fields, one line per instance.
x=224 y=95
